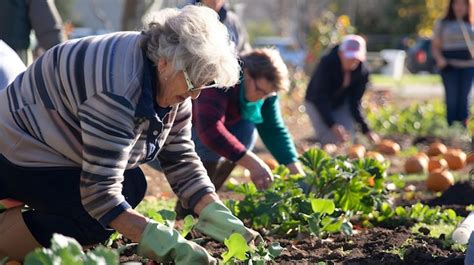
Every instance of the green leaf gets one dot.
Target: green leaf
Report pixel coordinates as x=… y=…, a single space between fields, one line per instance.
x=155 y=216
x=110 y=256
x=188 y=224
x=113 y=237
x=41 y=256
x=451 y=214
x=92 y=259
x=400 y=211
x=168 y=216
x=323 y=206
x=333 y=226
x=68 y=249
x=314 y=224
x=237 y=248
x=65 y=250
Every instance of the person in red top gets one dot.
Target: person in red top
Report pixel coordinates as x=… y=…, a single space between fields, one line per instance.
x=225 y=122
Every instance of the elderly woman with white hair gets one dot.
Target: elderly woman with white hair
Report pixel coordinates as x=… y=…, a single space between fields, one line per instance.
x=76 y=125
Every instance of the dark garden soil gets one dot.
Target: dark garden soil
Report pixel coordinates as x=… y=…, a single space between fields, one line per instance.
x=461 y=193
x=370 y=246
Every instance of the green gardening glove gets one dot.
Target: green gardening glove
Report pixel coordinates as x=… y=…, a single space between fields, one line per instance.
x=216 y=221
x=165 y=244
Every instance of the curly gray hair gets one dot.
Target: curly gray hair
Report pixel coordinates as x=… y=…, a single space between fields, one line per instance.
x=193 y=39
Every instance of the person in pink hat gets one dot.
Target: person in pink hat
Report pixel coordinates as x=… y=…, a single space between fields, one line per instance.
x=334 y=93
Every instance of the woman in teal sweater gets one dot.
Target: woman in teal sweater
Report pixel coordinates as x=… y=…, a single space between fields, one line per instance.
x=224 y=122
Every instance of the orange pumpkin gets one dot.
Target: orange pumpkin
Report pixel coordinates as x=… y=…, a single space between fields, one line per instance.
x=439 y=180
x=356 y=151
x=330 y=148
x=388 y=147
x=416 y=164
x=456 y=158
x=437 y=148
x=436 y=163
x=375 y=155
x=423 y=156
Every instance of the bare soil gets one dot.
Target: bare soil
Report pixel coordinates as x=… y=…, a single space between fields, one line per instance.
x=369 y=246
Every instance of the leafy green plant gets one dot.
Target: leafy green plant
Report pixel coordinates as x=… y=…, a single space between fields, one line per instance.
x=237 y=248
x=239 y=251
x=321 y=220
x=168 y=218
x=293 y=203
x=113 y=237
x=163 y=216
x=417 y=213
x=345 y=181
x=277 y=209
x=65 y=250
x=418 y=120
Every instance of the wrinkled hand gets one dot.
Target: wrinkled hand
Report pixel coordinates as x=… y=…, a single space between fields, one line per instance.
x=216 y=221
x=340 y=132
x=261 y=175
x=165 y=244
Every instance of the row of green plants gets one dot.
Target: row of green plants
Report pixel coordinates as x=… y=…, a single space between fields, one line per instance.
x=417 y=119
x=335 y=193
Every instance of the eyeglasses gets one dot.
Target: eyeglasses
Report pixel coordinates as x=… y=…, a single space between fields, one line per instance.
x=263 y=92
x=192 y=88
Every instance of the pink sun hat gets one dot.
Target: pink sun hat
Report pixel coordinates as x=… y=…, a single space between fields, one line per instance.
x=353 y=46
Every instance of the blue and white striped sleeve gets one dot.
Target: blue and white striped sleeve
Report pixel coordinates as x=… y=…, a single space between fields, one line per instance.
x=107 y=123
x=182 y=166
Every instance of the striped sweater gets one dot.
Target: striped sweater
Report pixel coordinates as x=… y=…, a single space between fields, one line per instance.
x=90 y=103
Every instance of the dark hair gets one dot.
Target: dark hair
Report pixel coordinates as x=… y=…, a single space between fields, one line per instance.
x=450 y=12
x=267 y=63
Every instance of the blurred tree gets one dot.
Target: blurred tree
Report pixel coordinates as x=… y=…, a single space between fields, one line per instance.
x=326 y=31
x=393 y=20
x=435 y=9
x=260 y=29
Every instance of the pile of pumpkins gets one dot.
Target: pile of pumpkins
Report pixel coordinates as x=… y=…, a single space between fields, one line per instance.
x=385 y=147
x=437 y=161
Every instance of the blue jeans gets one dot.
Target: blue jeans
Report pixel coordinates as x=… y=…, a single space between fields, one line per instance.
x=243 y=130
x=457 y=86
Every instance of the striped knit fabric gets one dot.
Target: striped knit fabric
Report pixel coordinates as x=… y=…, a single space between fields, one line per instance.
x=90 y=103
